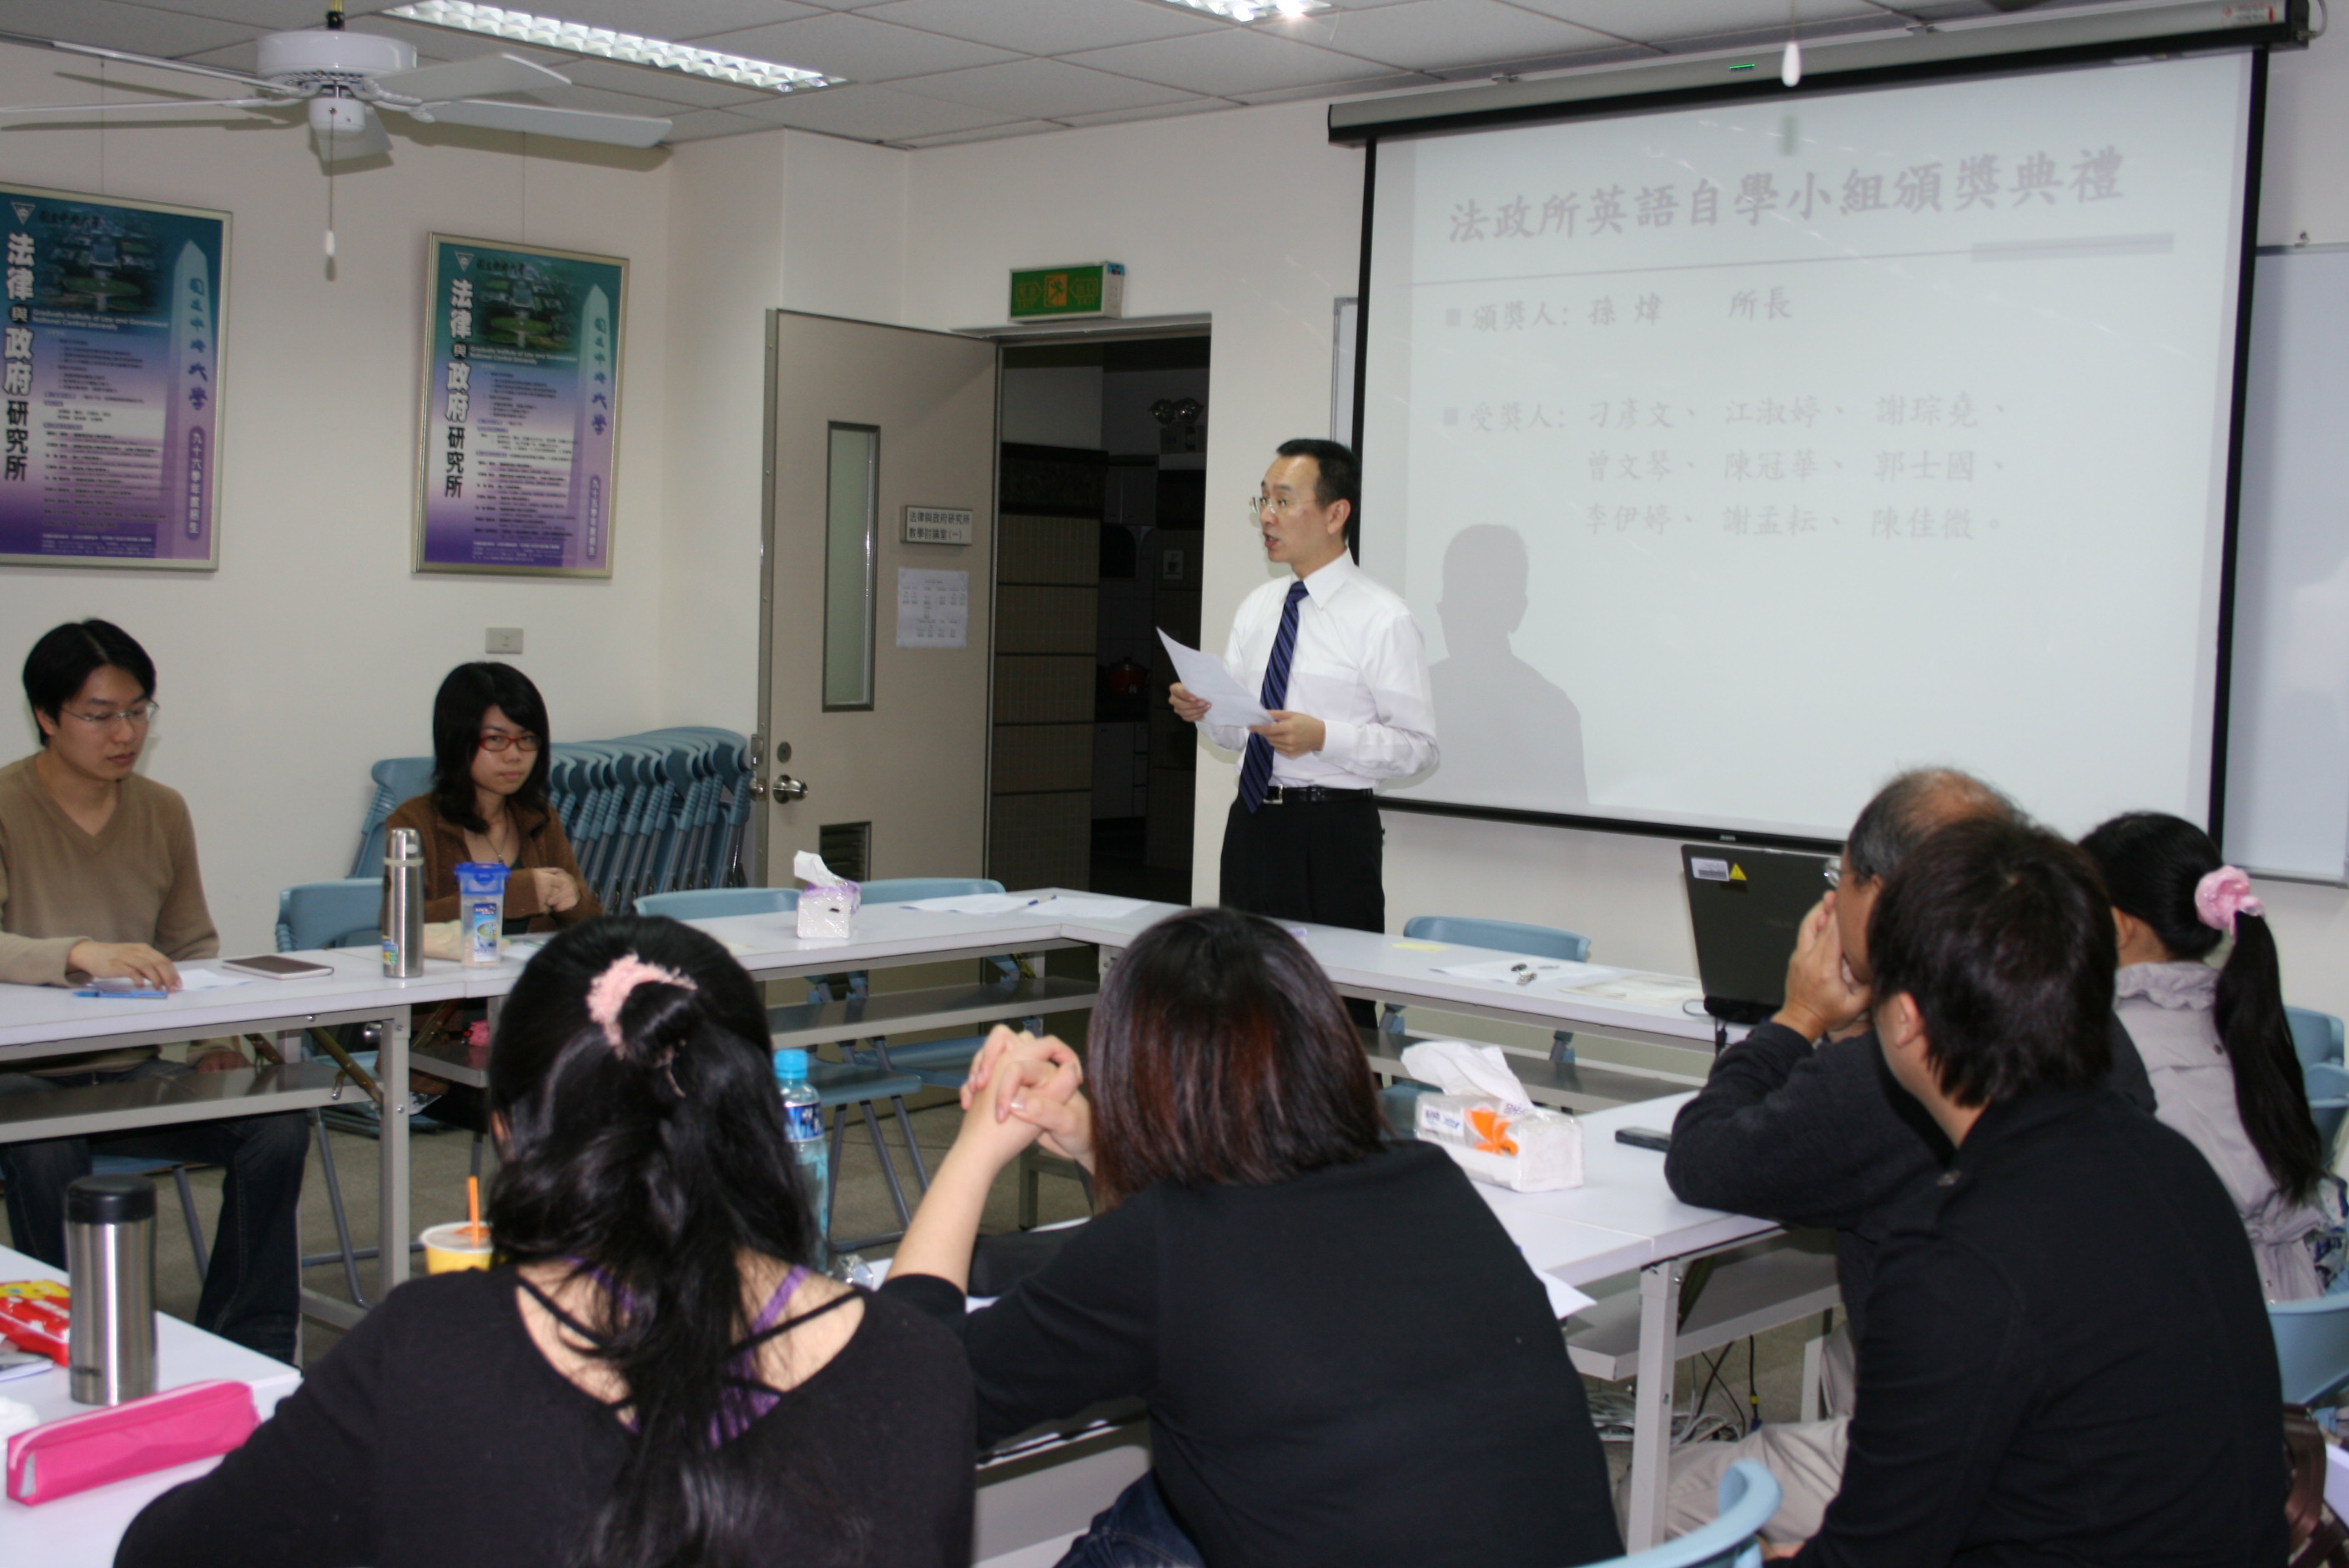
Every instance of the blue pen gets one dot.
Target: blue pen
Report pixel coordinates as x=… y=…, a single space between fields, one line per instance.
x=125 y=995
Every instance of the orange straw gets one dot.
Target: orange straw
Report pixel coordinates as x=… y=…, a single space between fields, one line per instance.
x=472 y=1208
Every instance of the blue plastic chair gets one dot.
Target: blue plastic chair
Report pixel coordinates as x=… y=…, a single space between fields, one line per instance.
x=343 y=914
x=1507 y=937
x=942 y=1064
x=397 y=779
x=2311 y=1347
x=2317 y=1039
x=714 y=903
x=1749 y=1495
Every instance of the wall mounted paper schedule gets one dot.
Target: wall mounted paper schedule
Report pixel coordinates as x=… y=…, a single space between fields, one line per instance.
x=1736 y=456
x=110 y=380
x=521 y=409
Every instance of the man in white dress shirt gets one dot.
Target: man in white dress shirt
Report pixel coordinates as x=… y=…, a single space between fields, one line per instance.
x=1342 y=670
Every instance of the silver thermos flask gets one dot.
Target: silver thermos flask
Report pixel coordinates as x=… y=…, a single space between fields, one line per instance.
x=111 y=1260
x=403 y=904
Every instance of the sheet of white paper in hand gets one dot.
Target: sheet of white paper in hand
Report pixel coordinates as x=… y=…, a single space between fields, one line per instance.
x=1455 y=1067
x=1204 y=675
x=1546 y=972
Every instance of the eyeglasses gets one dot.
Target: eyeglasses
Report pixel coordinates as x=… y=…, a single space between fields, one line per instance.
x=138 y=715
x=1281 y=506
x=499 y=740
x=1833 y=871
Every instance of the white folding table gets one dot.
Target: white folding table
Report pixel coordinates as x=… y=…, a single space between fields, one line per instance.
x=82 y=1531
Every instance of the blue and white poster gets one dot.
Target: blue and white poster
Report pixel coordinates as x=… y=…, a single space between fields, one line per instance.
x=109 y=381
x=521 y=409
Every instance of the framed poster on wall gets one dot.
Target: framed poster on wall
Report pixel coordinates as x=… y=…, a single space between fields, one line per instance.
x=521 y=420
x=110 y=380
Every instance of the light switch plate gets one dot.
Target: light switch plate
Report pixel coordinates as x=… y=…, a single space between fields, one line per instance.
x=502 y=640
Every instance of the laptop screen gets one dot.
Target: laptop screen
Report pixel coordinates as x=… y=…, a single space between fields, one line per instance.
x=1745 y=908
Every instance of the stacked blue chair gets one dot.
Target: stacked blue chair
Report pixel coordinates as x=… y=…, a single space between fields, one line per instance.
x=2317 y=1039
x=1749 y=1495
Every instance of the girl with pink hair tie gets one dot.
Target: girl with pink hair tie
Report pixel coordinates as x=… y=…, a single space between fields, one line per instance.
x=2215 y=1038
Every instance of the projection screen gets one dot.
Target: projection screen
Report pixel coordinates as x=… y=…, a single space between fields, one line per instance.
x=1733 y=457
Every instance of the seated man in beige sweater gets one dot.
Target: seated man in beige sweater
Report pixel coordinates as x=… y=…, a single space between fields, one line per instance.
x=99 y=878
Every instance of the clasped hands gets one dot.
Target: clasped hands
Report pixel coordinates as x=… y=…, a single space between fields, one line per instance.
x=1290 y=734
x=1022 y=1088
x=1822 y=997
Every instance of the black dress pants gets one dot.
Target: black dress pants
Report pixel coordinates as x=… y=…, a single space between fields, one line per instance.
x=1321 y=860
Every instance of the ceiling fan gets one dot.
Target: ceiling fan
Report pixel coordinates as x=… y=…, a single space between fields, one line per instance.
x=347 y=78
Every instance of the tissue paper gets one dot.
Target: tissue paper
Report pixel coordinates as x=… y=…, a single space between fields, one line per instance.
x=1484 y=1119
x=828 y=904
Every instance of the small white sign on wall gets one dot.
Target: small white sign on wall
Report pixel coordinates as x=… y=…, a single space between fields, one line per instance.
x=933 y=609
x=938 y=525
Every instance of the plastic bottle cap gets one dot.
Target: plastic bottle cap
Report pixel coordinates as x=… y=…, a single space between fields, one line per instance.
x=792 y=1065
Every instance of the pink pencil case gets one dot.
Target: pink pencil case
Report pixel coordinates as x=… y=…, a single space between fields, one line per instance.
x=73 y=1454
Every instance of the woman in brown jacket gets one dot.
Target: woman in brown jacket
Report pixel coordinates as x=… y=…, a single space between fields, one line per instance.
x=488 y=802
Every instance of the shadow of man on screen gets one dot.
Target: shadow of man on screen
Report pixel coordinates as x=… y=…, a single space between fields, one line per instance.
x=1510 y=735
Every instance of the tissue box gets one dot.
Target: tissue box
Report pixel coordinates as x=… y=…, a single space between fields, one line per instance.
x=830 y=911
x=1536 y=1152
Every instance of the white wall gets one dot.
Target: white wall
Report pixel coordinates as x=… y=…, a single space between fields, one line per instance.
x=314 y=650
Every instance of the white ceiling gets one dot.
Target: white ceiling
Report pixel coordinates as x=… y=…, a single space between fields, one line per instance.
x=925 y=73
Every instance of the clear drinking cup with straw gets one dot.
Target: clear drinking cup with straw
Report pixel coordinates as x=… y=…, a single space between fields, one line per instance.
x=460 y=1244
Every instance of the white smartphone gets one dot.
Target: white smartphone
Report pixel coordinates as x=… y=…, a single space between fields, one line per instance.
x=277 y=966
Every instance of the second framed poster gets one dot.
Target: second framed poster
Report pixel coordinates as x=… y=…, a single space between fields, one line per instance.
x=521 y=410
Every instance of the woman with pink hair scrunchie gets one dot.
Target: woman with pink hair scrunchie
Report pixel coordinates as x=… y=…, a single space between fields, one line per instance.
x=2215 y=1039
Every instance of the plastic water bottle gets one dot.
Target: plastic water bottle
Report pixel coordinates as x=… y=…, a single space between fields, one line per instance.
x=803 y=1125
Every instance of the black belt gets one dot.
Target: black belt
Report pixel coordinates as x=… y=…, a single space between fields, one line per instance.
x=1301 y=794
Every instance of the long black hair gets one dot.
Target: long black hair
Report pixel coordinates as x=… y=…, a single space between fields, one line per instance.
x=653 y=1166
x=2152 y=865
x=468 y=692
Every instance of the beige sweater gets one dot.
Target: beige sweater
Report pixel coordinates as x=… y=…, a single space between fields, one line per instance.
x=134 y=880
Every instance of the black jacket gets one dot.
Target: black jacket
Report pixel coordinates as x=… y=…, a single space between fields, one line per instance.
x=2066 y=1360
x=1823 y=1137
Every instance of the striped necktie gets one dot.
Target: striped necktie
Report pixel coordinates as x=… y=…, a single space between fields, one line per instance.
x=1256 y=768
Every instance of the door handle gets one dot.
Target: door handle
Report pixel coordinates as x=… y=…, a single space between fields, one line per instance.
x=786 y=788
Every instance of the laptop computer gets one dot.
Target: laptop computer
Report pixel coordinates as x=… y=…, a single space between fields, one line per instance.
x=1745 y=909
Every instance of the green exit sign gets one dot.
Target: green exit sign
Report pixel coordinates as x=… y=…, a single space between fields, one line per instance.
x=1095 y=288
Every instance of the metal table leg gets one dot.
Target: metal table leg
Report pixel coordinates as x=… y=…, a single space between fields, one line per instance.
x=1652 y=1420
x=391 y=1072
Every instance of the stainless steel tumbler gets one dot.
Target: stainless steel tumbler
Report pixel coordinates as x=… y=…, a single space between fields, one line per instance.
x=403 y=904
x=111 y=1260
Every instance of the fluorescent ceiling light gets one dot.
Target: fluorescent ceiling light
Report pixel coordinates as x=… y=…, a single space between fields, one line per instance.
x=1252 y=10
x=628 y=48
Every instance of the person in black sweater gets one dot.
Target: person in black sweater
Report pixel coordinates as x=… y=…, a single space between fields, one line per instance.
x=1345 y=1360
x=1820 y=1134
x=653 y=1377
x=2067 y=1358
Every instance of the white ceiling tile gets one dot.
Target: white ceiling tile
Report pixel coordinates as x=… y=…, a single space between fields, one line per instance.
x=602 y=101
x=114 y=26
x=985 y=133
x=669 y=18
x=1368 y=85
x=1427 y=34
x=1045 y=27
x=702 y=124
x=856 y=47
x=669 y=87
x=870 y=114
x=1231 y=62
x=1163 y=112
x=1042 y=89
x=270 y=16
x=1674 y=21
